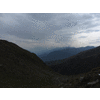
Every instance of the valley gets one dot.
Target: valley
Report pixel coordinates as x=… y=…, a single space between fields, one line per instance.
x=20 y=68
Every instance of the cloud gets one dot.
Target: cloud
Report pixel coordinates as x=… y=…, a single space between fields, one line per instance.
x=82 y=37
x=50 y=30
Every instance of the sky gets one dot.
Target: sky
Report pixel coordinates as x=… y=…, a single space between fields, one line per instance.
x=40 y=32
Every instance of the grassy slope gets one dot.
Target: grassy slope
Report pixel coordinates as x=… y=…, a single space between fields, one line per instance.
x=20 y=68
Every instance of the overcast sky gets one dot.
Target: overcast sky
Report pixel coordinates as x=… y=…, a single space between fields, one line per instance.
x=40 y=32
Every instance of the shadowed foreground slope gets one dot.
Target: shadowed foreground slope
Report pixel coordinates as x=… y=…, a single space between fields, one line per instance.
x=20 y=68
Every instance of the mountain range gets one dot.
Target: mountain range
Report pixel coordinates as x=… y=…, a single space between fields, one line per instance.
x=20 y=68
x=63 y=53
x=79 y=63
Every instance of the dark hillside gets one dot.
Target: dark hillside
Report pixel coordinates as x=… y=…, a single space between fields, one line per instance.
x=20 y=68
x=80 y=63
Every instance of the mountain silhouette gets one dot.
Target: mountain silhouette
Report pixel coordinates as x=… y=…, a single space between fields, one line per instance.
x=20 y=68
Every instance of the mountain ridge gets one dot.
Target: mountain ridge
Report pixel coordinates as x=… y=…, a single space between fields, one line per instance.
x=20 y=68
x=80 y=63
x=63 y=53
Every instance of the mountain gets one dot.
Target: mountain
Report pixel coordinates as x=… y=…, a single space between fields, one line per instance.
x=82 y=62
x=63 y=53
x=41 y=51
x=20 y=68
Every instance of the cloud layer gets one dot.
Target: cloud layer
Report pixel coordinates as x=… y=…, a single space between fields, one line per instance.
x=40 y=32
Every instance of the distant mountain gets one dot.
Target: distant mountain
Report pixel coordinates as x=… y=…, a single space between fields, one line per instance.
x=80 y=63
x=40 y=51
x=20 y=68
x=63 y=53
